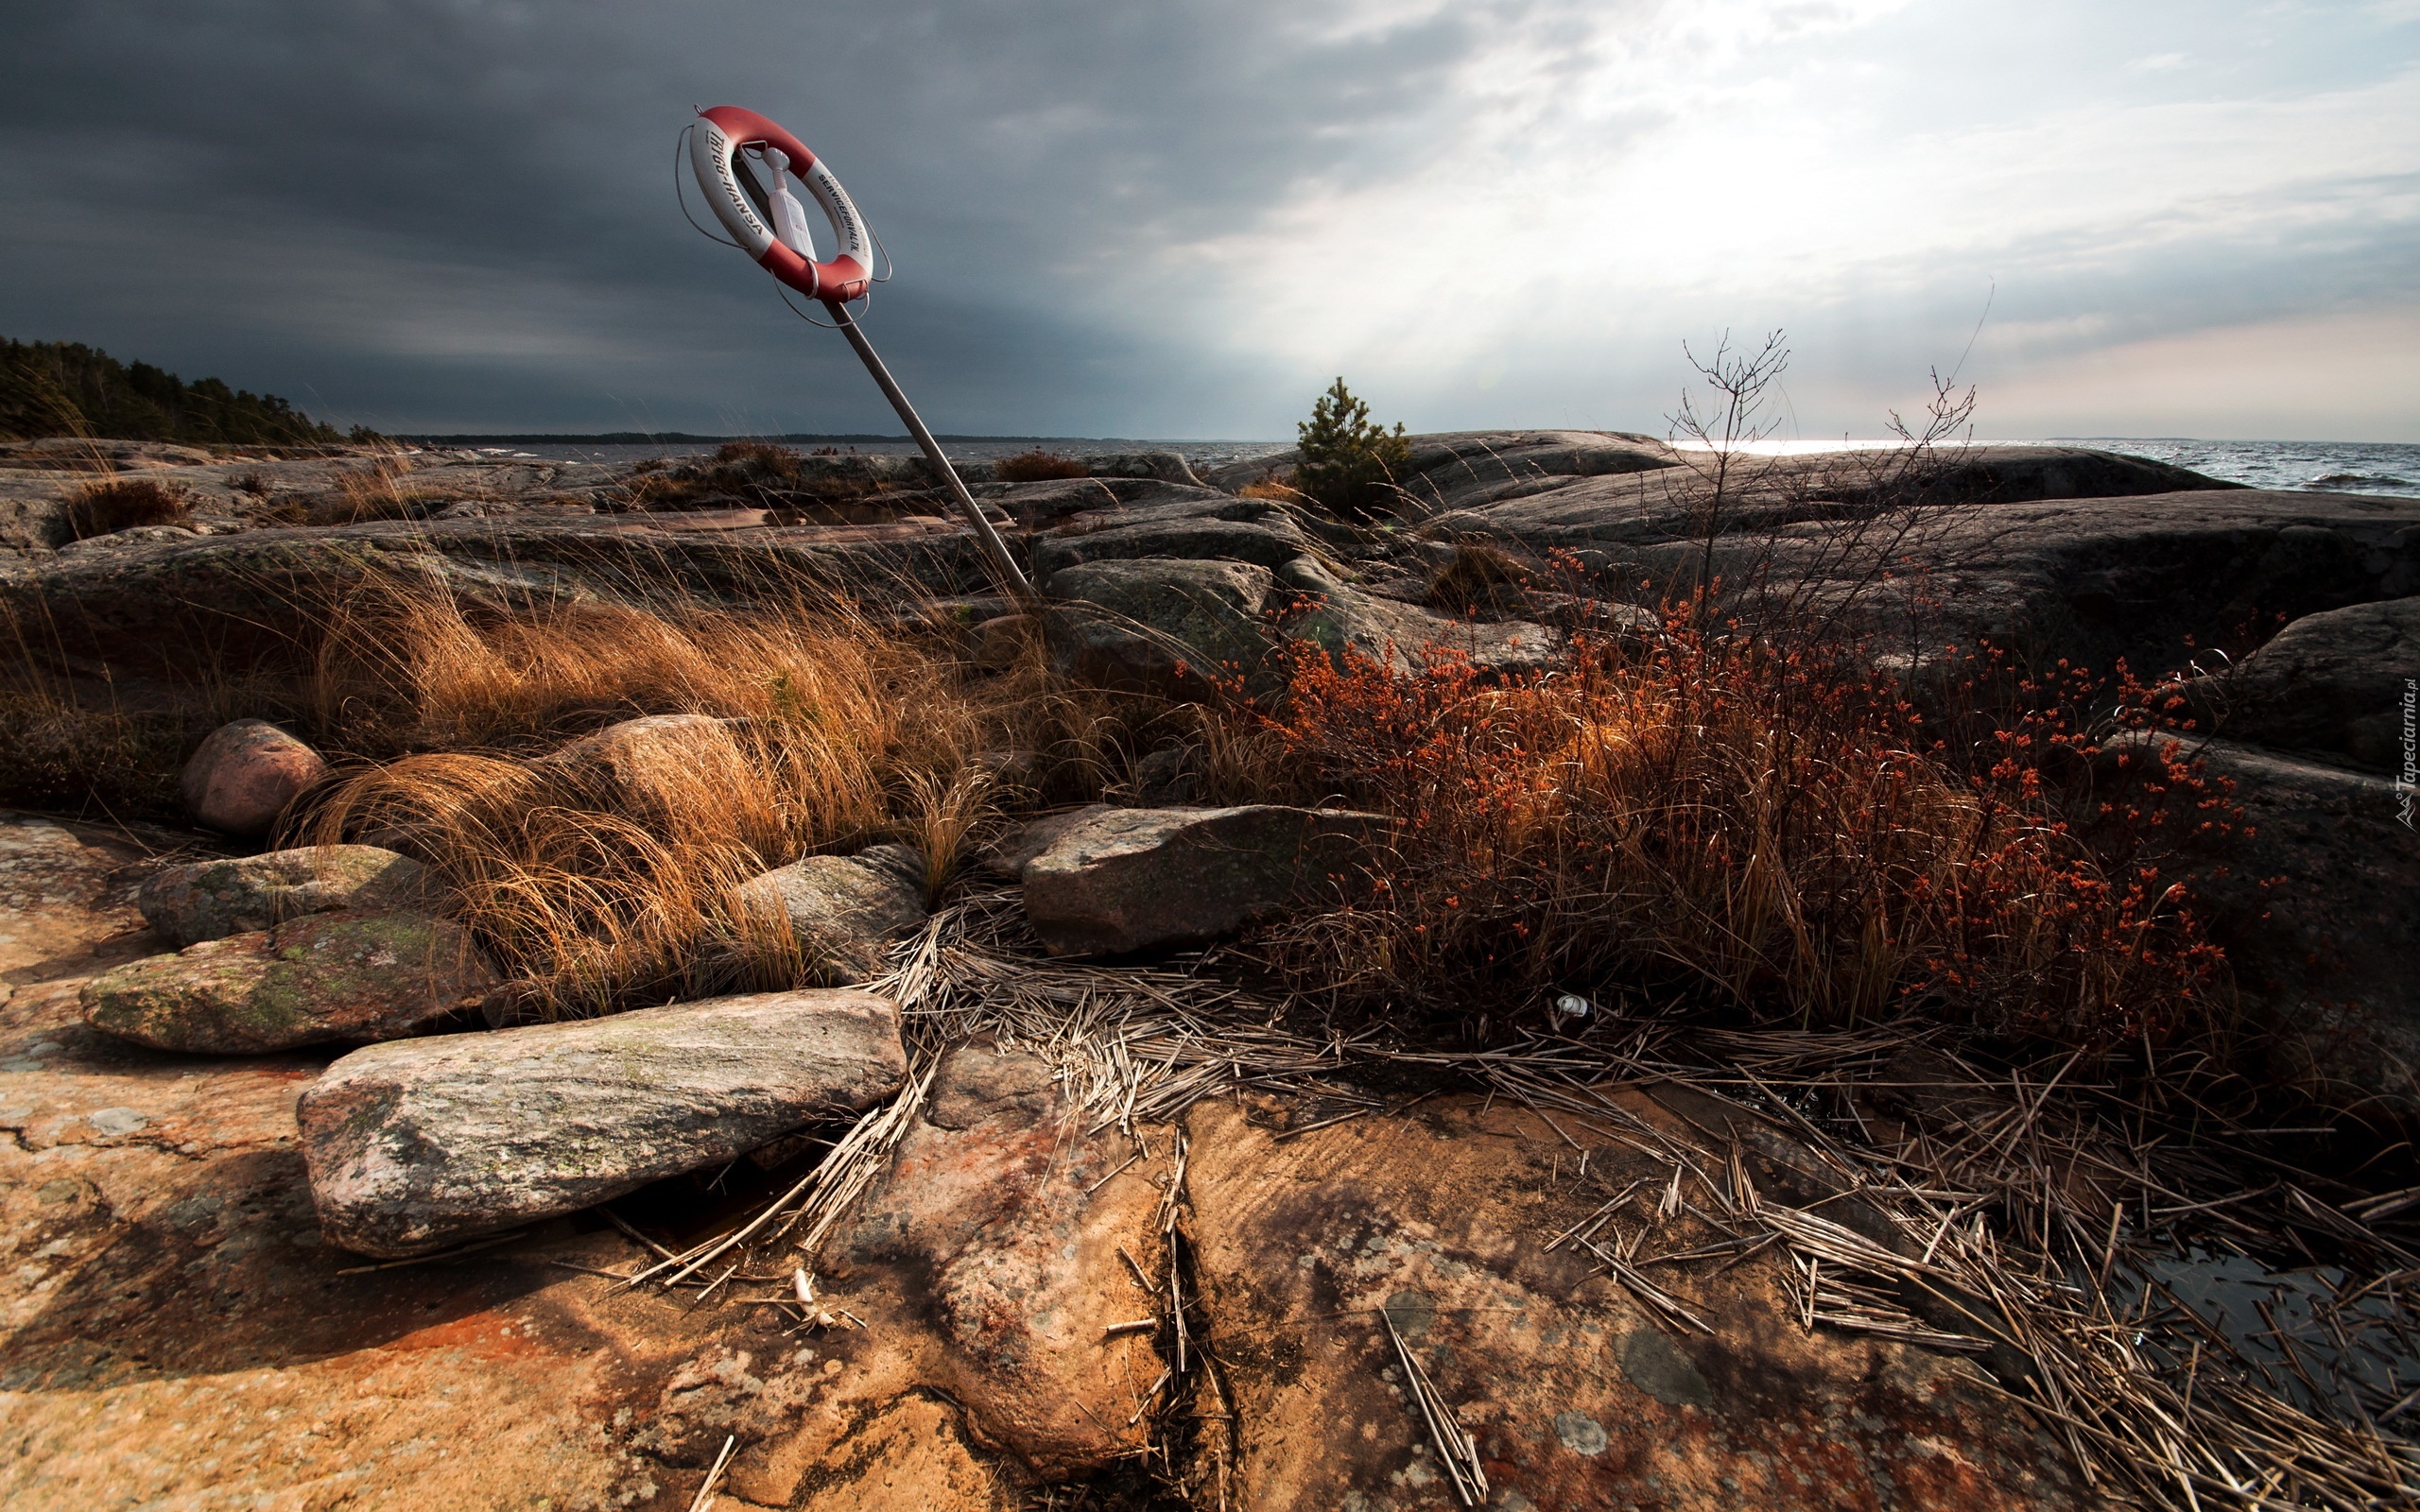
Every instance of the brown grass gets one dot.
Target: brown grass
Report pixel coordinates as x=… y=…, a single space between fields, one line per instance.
x=1037 y=466
x=605 y=877
x=762 y=459
x=1272 y=489
x=377 y=492
x=1704 y=821
x=746 y=473
x=604 y=881
x=1478 y=577
x=103 y=509
x=58 y=754
x=602 y=875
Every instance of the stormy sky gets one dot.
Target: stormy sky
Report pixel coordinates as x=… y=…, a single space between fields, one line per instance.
x=1178 y=218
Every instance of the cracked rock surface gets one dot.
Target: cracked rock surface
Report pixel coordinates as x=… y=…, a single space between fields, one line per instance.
x=1578 y=1395
x=177 y=1330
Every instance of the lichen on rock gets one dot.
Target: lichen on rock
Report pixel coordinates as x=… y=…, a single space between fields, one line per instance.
x=319 y=979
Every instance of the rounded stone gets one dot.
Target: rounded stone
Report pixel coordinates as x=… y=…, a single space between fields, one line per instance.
x=245 y=775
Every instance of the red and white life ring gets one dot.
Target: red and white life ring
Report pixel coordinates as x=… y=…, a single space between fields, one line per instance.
x=781 y=249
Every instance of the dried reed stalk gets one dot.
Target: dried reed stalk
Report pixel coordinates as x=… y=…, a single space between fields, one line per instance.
x=1999 y=1220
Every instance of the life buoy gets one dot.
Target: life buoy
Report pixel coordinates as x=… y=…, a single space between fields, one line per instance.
x=745 y=205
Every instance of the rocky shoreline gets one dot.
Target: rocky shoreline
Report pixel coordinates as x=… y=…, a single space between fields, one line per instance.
x=1006 y=1303
x=2058 y=553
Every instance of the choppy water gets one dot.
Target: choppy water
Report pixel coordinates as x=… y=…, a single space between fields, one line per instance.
x=2338 y=467
x=2335 y=466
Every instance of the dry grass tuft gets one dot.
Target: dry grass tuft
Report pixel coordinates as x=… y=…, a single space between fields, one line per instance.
x=1037 y=466
x=755 y=474
x=601 y=869
x=1479 y=577
x=406 y=666
x=377 y=492
x=104 y=508
x=56 y=754
x=760 y=460
x=597 y=886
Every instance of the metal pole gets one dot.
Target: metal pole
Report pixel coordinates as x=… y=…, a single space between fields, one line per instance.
x=1012 y=578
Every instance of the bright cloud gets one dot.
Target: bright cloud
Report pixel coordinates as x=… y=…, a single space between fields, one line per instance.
x=1183 y=218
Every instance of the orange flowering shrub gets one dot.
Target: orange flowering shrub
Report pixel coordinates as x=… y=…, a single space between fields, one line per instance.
x=1771 y=833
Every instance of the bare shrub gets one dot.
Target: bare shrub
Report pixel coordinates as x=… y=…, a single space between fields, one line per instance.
x=1741 y=419
x=1854 y=519
x=1719 y=822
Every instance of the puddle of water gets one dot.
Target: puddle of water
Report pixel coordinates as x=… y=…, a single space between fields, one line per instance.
x=2331 y=1347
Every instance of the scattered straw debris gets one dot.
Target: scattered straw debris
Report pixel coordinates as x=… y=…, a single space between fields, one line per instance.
x=2030 y=1219
x=1456 y=1448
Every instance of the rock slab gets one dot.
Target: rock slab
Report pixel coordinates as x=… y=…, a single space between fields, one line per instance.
x=628 y=750
x=211 y=900
x=417 y=1145
x=843 y=911
x=2330 y=685
x=1004 y=1221
x=1158 y=626
x=316 y=979
x=1309 y=1241
x=1402 y=638
x=2312 y=908
x=1109 y=881
x=245 y=774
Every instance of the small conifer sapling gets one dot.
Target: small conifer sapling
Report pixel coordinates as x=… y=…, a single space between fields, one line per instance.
x=1349 y=461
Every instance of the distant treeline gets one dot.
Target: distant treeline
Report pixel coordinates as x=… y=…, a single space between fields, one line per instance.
x=67 y=388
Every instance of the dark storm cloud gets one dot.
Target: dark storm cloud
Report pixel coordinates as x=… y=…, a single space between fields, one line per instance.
x=434 y=214
x=1181 y=218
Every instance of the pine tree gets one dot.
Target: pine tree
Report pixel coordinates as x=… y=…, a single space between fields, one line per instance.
x=1349 y=461
x=67 y=388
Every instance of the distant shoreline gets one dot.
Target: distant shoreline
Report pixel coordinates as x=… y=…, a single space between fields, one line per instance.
x=790 y=437
x=2386 y=469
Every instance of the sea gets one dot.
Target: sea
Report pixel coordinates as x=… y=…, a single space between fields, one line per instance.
x=958 y=447
x=2324 y=467
x=2389 y=468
